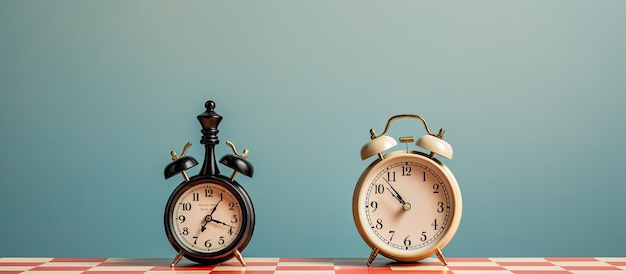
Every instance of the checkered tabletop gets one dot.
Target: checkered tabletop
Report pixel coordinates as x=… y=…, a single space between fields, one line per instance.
x=311 y=265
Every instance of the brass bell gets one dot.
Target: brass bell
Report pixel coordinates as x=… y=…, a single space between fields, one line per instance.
x=377 y=146
x=435 y=145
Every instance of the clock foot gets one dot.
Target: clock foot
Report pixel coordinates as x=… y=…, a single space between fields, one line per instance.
x=440 y=256
x=239 y=257
x=177 y=258
x=372 y=256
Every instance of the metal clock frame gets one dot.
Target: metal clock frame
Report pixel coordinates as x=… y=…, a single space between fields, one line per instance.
x=209 y=174
x=436 y=145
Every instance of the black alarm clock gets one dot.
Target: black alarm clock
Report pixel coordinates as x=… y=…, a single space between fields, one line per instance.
x=209 y=217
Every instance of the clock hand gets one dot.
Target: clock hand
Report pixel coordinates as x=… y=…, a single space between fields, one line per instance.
x=209 y=217
x=394 y=193
x=215 y=207
x=222 y=223
x=406 y=206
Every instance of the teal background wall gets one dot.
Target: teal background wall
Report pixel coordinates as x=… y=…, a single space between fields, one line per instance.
x=94 y=95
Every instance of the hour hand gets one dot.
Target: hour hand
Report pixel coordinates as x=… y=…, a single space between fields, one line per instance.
x=406 y=206
x=207 y=219
x=394 y=193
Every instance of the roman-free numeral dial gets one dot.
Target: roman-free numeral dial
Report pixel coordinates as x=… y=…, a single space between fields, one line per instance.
x=207 y=218
x=406 y=206
x=398 y=200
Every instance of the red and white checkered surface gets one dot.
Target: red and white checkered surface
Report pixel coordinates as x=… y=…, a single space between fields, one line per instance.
x=314 y=265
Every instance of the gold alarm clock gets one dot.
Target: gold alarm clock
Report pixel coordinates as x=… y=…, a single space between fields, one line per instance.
x=407 y=204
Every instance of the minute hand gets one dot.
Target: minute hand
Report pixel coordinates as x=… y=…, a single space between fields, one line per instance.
x=395 y=193
x=209 y=217
x=222 y=223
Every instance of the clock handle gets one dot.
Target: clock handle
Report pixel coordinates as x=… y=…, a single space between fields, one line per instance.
x=430 y=141
x=402 y=116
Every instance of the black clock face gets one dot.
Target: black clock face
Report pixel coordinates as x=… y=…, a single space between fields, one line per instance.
x=209 y=218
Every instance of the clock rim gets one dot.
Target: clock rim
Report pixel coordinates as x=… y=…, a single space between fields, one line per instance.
x=419 y=254
x=240 y=242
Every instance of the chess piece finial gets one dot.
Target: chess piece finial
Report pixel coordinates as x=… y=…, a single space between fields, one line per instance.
x=209 y=120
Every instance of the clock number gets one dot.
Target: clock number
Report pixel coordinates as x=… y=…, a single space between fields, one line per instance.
x=195 y=239
x=185 y=231
x=434 y=224
x=380 y=189
x=221 y=197
x=221 y=241
x=231 y=206
x=181 y=218
x=423 y=238
x=440 y=208
x=436 y=188
x=230 y=231
x=186 y=206
x=407 y=242
x=406 y=171
x=374 y=205
x=208 y=192
x=424 y=174
x=234 y=220
x=207 y=243
x=196 y=196
x=391 y=176
x=392 y=232
x=379 y=224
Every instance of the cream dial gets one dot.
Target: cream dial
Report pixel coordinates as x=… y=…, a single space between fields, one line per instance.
x=206 y=218
x=407 y=205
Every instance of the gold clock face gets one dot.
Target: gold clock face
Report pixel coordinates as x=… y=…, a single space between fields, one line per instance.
x=407 y=205
x=206 y=218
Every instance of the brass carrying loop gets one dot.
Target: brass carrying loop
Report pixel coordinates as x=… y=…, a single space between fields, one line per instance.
x=401 y=116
